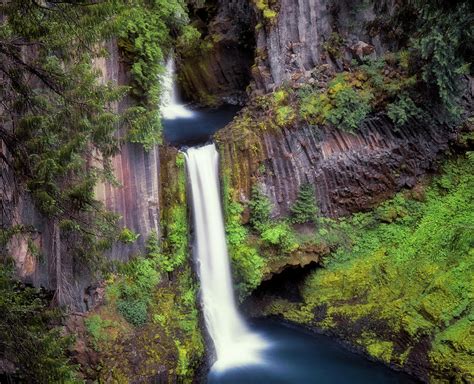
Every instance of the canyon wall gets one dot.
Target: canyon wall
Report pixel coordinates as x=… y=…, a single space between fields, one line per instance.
x=350 y=171
x=41 y=251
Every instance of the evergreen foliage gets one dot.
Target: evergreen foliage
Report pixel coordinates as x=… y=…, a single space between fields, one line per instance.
x=260 y=208
x=444 y=42
x=304 y=209
x=29 y=336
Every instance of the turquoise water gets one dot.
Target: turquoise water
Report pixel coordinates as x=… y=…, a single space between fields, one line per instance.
x=299 y=357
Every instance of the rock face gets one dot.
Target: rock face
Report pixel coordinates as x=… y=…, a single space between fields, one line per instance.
x=220 y=73
x=350 y=172
x=136 y=200
x=306 y=33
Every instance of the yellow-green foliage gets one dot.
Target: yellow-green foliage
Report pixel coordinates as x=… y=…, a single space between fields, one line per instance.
x=408 y=268
x=455 y=346
x=381 y=350
x=266 y=9
x=343 y=104
x=279 y=234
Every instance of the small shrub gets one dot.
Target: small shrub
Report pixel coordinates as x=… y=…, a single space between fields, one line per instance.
x=350 y=107
x=127 y=236
x=342 y=105
x=280 y=235
x=285 y=115
x=134 y=311
x=247 y=268
x=97 y=328
x=402 y=110
x=189 y=40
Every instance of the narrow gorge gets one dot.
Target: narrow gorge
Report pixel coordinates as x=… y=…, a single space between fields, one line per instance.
x=261 y=191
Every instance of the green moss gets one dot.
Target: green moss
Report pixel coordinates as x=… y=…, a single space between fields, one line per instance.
x=381 y=350
x=453 y=349
x=265 y=7
x=406 y=268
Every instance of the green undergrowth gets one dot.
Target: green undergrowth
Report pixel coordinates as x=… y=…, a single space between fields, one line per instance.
x=145 y=318
x=401 y=275
x=150 y=306
x=33 y=348
x=145 y=37
x=261 y=244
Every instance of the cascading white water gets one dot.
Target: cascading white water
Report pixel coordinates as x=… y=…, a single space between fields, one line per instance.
x=235 y=344
x=170 y=108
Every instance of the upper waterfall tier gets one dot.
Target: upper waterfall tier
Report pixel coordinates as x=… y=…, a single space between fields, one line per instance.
x=171 y=108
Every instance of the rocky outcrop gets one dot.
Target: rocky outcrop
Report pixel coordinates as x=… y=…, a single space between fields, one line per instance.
x=219 y=71
x=350 y=171
x=306 y=33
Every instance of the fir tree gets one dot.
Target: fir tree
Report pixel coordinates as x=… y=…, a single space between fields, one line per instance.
x=260 y=208
x=304 y=209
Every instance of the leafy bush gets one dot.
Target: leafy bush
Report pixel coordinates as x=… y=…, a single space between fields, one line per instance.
x=279 y=234
x=304 y=209
x=189 y=40
x=127 y=236
x=402 y=110
x=98 y=329
x=349 y=107
x=132 y=291
x=285 y=115
x=341 y=105
x=247 y=266
x=135 y=311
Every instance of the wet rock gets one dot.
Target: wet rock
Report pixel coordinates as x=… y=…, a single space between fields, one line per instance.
x=362 y=49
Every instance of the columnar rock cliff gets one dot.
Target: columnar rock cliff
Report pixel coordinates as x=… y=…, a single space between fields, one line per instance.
x=350 y=171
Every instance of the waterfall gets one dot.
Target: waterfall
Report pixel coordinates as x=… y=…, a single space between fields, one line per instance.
x=170 y=107
x=235 y=344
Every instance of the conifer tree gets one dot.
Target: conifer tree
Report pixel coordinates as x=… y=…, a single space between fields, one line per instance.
x=260 y=208
x=304 y=209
